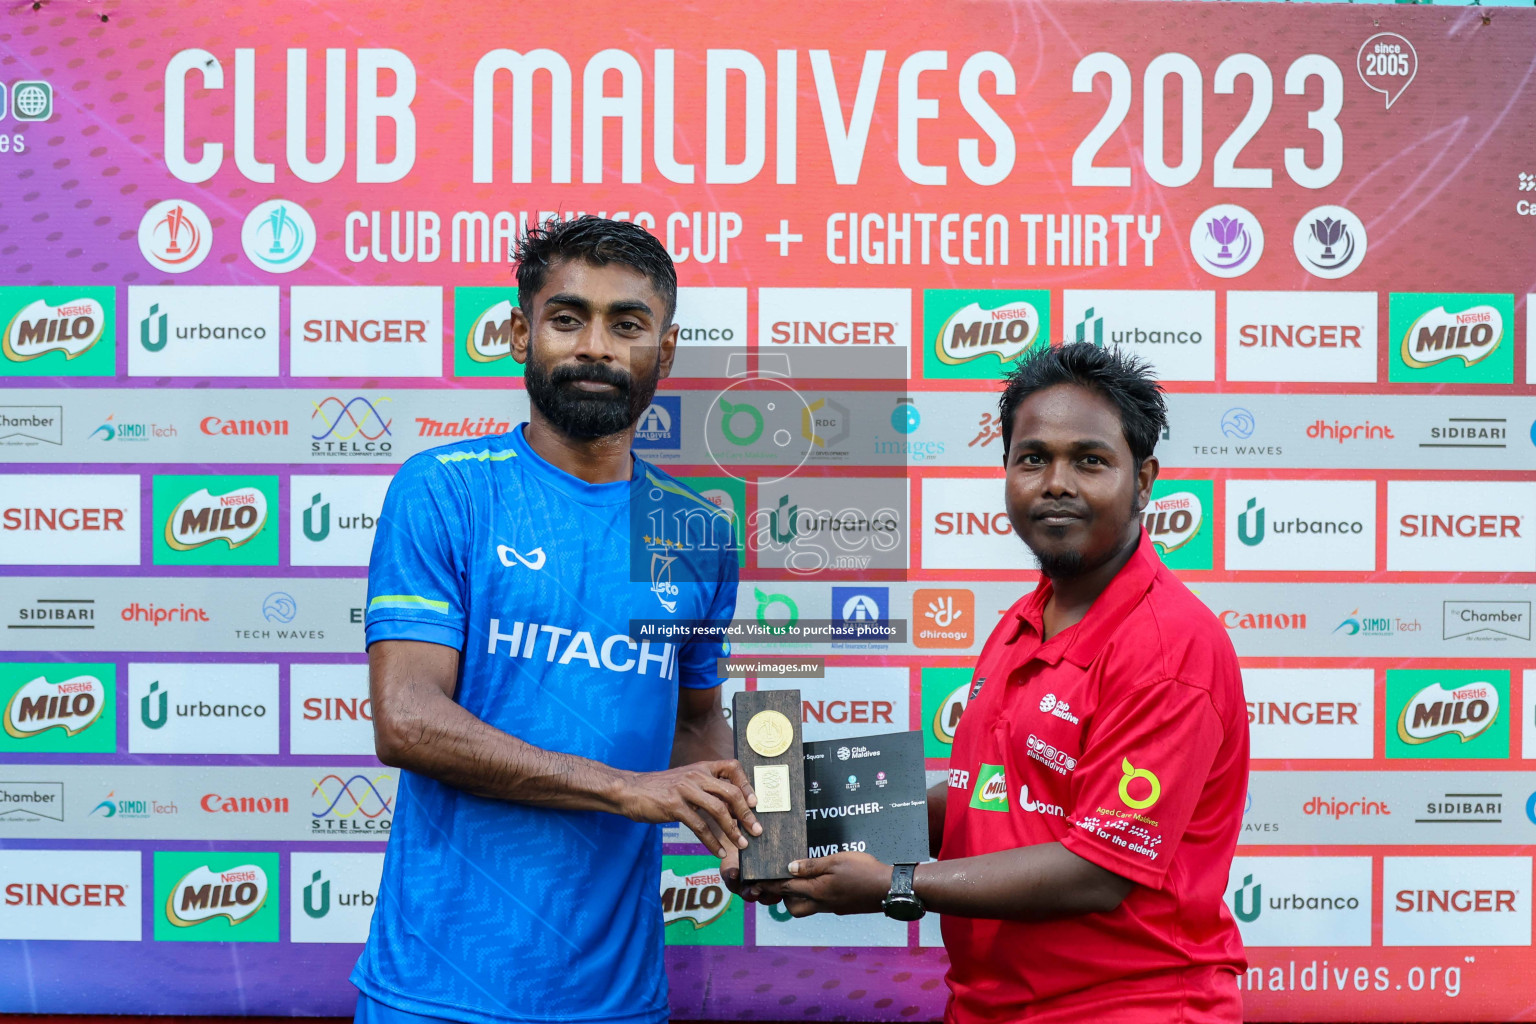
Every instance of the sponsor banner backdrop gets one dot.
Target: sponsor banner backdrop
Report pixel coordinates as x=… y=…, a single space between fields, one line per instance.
x=232 y=308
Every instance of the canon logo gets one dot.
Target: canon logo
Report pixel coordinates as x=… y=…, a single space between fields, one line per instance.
x=1458 y=901
x=244 y=428
x=213 y=803
x=1262 y=620
x=967 y=523
x=1459 y=526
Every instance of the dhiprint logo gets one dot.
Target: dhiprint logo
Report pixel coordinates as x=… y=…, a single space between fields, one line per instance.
x=222 y=897
x=175 y=236
x=278 y=236
x=355 y=428
x=1452 y=338
x=1329 y=242
x=1227 y=241
x=355 y=807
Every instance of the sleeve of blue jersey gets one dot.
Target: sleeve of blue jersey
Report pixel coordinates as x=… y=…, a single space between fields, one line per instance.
x=698 y=667
x=415 y=575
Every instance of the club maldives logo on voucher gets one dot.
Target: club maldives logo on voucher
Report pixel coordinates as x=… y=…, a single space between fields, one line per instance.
x=215 y=520
x=63 y=332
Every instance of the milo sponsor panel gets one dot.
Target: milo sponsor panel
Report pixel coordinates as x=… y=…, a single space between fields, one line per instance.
x=1177 y=520
x=482 y=332
x=977 y=334
x=229 y=896
x=215 y=520
x=1449 y=713
x=53 y=708
x=697 y=908
x=1452 y=338
x=58 y=331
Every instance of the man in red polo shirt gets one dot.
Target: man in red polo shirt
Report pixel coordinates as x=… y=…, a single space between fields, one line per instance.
x=1096 y=787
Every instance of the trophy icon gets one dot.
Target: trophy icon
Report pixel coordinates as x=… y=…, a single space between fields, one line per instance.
x=1224 y=231
x=1327 y=231
x=175 y=220
x=277 y=222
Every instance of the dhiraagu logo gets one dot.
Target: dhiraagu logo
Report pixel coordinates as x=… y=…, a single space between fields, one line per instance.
x=1452 y=338
x=991 y=792
x=58 y=332
x=697 y=908
x=978 y=334
x=216 y=897
x=1177 y=520
x=482 y=332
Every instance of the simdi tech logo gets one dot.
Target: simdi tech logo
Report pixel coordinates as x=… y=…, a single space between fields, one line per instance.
x=215 y=520
x=1452 y=338
x=58 y=332
x=53 y=708
x=1447 y=713
x=1178 y=521
x=697 y=908
x=229 y=896
x=978 y=334
x=482 y=332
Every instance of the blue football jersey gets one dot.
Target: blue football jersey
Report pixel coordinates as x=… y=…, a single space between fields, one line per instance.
x=492 y=911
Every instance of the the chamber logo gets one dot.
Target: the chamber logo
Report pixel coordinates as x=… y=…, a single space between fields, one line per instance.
x=202 y=895
x=39 y=328
x=202 y=518
x=72 y=705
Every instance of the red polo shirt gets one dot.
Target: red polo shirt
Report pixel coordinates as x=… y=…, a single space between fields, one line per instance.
x=1125 y=739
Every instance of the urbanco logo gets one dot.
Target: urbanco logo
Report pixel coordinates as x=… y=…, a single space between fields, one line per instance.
x=1301 y=901
x=215 y=520
x=332 y=519
x=212 y=331
x=193 y=708
x=333 y=895
x=58 y=331
x=58 y=708
x=216 y=897
x=1282 y=524
x=1174 y=331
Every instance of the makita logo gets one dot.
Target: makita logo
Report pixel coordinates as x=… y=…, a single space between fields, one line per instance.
x=465 y=427
x=202 y=518
x=71 y=328
x=558 y=644
x=73 y=705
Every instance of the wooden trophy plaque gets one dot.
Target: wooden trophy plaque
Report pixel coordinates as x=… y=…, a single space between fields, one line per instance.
x=769 y=746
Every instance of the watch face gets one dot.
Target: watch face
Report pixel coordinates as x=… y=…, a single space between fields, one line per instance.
x=904 y=908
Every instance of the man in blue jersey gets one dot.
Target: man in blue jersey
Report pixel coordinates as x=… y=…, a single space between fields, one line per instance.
x=533 y=731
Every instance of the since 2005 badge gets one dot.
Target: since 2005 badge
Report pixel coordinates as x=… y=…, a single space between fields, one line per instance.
x=769 y=733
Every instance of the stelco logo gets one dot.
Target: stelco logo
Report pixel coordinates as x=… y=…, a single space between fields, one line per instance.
x=1438 y=336
x=73 y=705
x=202 y=895
x=1466 y=711
x=701 y=898
x=490 y=336
x=39 y=328
x=973 y=332
x=202 y=518
x=1173 y=520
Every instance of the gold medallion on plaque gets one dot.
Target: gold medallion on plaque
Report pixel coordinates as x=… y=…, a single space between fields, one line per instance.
x=769 y=733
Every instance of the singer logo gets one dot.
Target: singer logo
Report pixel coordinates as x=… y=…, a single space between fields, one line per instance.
x=175 y=236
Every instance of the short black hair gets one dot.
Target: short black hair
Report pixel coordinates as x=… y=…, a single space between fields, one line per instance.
x=1124 y=379
x=595 y=240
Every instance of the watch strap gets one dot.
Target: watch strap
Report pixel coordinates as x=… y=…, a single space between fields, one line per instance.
x=901 y=879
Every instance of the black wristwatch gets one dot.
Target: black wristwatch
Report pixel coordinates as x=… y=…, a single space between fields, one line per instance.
x=901 y=903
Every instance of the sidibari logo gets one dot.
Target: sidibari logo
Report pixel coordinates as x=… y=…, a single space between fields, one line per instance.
x=202 y=895
x=1173 y=520
x=202 y=518
x=1466 y=711
x=972 y=332
x=991 y=793
x=38 y=328
x=1133 y=774
x=1438 y=336
x=700 y=897
x=490 y=336
x=73 y=705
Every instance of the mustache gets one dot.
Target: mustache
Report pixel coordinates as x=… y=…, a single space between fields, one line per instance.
x=597 y=373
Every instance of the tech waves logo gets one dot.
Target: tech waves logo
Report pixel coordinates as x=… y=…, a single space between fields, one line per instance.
x=1465 y=711
x=1439 y=335
x=972 y=331
x=700 y=898
x=202 y=895
x=353 y=428
x=352 y=805
x=72 y=705
x=39 y=328
x=202 y=518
